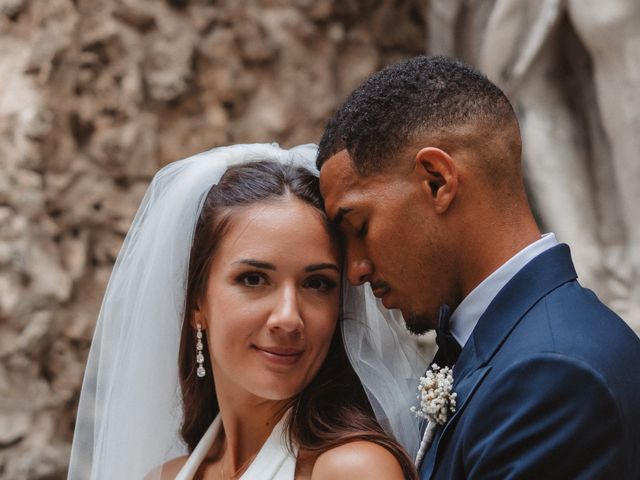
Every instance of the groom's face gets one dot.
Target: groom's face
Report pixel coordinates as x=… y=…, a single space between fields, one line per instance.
x=391 y=237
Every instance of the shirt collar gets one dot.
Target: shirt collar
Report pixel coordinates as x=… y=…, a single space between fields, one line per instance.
x=465 y=317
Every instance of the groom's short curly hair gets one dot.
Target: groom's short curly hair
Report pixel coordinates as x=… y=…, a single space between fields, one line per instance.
x=423 y=95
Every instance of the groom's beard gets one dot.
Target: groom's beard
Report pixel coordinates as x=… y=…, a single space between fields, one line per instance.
x=417 y=323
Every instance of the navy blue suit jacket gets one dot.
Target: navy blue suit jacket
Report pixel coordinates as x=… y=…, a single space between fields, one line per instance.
x=548 y=386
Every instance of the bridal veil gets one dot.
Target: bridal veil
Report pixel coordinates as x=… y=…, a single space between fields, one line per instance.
x=130 y=411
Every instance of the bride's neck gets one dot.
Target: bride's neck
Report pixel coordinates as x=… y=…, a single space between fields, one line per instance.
x=247 y=421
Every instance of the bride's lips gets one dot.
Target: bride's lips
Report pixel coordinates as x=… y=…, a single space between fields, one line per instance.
x=280 y=355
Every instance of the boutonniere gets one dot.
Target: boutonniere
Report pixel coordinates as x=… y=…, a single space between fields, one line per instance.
x=435 y=392
x=437 y=401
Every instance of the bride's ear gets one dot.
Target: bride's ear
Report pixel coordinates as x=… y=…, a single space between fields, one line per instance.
x=198 y=318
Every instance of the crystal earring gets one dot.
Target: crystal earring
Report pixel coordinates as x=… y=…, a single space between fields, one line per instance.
x=201 y=372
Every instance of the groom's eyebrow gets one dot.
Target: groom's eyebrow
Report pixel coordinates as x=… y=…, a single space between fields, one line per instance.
x=340 y=215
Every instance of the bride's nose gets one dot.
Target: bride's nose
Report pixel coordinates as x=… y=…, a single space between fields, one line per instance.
x=285 y=314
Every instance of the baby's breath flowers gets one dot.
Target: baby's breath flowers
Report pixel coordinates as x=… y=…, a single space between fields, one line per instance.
x=435 y=394
x=437 y=400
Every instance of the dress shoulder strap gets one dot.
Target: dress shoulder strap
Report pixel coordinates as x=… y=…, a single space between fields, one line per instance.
x=275 y=460
x=198 y=455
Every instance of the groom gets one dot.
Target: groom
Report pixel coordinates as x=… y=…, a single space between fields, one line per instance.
x=420 y=169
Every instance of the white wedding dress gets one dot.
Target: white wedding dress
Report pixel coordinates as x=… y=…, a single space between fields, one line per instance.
x=274 y=461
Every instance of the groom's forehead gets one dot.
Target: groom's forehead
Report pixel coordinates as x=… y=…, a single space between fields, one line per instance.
x=339 y=179
x=343 y=188
x=339 y=175
x=338 y=170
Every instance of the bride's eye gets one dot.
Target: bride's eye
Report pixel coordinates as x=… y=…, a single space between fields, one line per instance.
x=252 y=279
x=321 y=284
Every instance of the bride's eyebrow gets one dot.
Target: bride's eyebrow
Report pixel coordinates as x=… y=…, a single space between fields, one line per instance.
x=256 y=264
x=322 y=266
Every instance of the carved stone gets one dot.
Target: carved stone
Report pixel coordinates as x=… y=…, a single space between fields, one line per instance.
x=571 y=68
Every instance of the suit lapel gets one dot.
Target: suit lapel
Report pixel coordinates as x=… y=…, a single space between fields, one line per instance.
x=539 y=277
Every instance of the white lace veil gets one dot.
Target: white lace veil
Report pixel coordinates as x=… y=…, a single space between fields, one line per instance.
x=130 y=410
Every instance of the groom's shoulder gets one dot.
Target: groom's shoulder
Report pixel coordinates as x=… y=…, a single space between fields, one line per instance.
x=572 y=320
x=574 y=326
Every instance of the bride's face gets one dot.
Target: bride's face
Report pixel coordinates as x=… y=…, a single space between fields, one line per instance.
x=272 y=300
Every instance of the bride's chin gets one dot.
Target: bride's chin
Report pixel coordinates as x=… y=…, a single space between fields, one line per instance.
x=278 y=394
x=279 y=390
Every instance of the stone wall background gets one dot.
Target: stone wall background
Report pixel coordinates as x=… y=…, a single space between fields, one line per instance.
x=96 y=95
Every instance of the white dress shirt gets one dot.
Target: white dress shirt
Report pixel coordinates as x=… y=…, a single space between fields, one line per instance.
x=464 y=318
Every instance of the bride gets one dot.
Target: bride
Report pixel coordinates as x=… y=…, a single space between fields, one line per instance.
x=227 y=346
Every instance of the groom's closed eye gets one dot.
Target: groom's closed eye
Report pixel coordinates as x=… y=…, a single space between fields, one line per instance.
x=362 y=231
x=340 y=216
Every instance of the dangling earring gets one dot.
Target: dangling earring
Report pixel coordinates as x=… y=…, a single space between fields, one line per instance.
x=201 y=372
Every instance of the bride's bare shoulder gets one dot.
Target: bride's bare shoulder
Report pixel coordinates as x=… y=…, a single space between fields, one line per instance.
x=168 y=470
x=359 y=459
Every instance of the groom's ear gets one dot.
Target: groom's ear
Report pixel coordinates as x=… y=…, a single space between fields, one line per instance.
x=439 y=176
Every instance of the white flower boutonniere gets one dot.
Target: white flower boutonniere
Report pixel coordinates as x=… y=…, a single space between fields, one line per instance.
x=436 y=397
x=437 y=401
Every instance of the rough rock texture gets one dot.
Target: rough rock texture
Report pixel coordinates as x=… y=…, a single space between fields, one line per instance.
x=95 y=95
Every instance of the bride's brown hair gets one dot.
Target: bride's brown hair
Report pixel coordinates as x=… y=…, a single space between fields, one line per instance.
x=333 y=409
